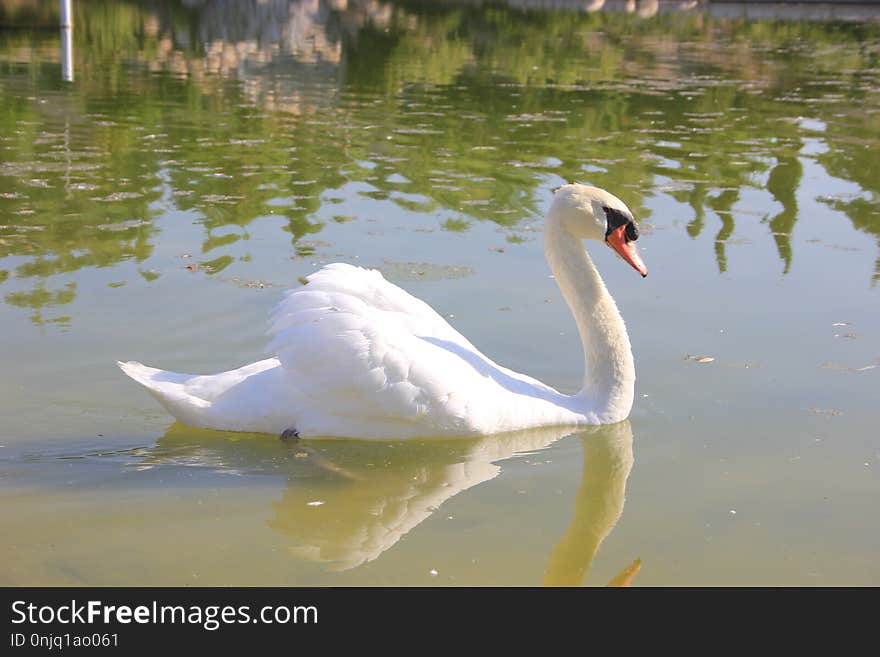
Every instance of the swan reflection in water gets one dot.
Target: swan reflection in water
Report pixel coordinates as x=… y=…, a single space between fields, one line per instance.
x=346 y=502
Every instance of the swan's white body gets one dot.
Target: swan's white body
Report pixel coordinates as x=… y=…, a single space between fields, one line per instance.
x=358 y=357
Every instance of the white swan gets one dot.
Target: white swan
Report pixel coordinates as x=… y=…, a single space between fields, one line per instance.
x=357 y=357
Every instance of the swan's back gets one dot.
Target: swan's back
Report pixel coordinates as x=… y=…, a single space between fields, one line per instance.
x=354 y=290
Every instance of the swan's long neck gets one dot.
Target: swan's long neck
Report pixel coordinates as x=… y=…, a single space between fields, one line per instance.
x=609 y=373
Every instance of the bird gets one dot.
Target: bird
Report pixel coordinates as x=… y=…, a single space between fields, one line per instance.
x=355 y=356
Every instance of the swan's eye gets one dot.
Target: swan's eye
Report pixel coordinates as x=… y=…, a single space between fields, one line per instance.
x=615 y=219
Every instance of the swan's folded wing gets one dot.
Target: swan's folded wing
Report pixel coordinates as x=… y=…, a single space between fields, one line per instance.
x=358 y=289
x=356 y=346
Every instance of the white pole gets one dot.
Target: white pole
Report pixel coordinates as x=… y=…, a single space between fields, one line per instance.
x=66 y=41
x=66 y=14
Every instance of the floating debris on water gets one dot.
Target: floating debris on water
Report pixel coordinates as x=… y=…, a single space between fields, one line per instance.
x=123 y=225
x=118 y=196
x=534 y=118
x=825 y=411
x=421 y=271
x=315 y=503
x=248 y=282
x=699 y=359
x=221 y=198
x=844 y=368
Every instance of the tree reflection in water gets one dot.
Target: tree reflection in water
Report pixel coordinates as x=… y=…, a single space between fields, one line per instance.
x=230 y=111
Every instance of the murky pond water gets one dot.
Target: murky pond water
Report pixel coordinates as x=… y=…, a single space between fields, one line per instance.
x=208 y=155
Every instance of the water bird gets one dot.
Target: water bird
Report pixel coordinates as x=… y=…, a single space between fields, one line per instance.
x=355 y=356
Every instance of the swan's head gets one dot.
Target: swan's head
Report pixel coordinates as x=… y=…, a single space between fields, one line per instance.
x=591 y=213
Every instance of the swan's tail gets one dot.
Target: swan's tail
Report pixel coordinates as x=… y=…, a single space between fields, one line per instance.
x=171 y=389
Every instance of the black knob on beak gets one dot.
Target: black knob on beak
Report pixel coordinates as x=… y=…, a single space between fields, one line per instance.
x=632 y=231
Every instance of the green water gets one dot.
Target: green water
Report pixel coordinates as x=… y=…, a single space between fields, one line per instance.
x=208 y=155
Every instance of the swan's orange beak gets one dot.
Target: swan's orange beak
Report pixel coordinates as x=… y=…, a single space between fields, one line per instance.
x=626 y=249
